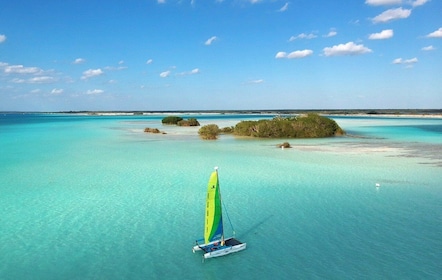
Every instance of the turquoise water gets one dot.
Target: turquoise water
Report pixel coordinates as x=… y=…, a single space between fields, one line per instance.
x=93 y=197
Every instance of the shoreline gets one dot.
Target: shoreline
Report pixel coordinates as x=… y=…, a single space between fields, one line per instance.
x=424 y=116
x=383 y=113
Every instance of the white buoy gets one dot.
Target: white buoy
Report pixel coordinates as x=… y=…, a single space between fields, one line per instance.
x=378 y=185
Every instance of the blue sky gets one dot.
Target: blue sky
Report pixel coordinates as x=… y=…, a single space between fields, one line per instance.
x=220 y=54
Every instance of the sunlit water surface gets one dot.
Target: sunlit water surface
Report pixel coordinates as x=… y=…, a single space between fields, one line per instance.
x=94 y=197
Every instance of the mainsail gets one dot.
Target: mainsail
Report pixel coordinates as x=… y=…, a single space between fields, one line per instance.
x=214 y=220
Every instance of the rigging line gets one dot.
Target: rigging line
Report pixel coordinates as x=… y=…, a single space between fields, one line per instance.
x=228 y=218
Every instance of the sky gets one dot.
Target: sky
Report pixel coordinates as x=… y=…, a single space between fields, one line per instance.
x=156 y=55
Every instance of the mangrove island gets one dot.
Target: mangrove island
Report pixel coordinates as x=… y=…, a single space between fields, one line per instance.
x=301 y=126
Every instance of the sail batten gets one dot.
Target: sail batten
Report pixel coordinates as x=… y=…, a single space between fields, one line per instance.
x=214 y=221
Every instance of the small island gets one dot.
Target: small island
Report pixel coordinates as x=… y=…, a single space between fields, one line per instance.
x=179 y=121
x=209 y=132
x=302 y=126
x=153 y=130
x=284 y=145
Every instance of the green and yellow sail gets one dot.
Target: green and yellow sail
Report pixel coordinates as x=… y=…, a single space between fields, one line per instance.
x=214 y=220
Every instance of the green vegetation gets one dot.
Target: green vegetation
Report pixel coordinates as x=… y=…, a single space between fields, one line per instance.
x=180 y=121
x=171 y=120
x=189 y=122
x=227 y=129
x=209 y=132
x=153 y=130
x=305 y=126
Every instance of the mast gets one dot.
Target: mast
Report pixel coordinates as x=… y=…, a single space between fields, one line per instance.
x=220 y=206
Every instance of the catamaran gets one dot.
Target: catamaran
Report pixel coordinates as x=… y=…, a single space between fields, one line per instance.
x=215 y=245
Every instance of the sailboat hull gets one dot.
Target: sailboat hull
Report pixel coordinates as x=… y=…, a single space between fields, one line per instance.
x=213 y=249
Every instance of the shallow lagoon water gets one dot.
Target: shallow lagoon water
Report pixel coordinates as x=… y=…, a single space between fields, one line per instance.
x=93 y=197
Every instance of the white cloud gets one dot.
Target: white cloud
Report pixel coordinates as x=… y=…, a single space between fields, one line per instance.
x=92 y=73
x=35 y=80
x=20 y=69
x=18 y=81
x=408 y=63
x=2 y=38
x=113 y=68
x=285 y=7
x=94 y=91
x=435 y=34
x=384 y=34
x=161 y=1
x=405 y=61
x=300 y=54
x=428 y=48
x=332 y=33
x=258 y=81
x=412 y=60
x=192 y=72
x=281 y=55
x=295 y=54
x=79 y=61
x=210 y=40
x=349 y=48
x=391 y=14
x=57 y=91
x=42 y=80
x=383 y=2
x=39 y=76
x=149 y=61
x=419 y=3
x=303 y=36
x=414 y=3
x=165 y=74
